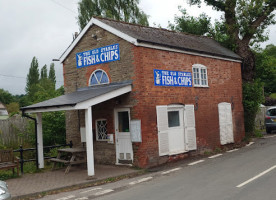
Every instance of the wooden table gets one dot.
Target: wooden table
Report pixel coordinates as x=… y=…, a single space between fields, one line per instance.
x=74 y=156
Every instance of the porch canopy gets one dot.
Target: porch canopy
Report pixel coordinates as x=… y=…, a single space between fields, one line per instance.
x=82 y=99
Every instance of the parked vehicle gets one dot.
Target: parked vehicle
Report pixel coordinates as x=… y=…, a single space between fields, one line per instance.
x=270 y=119
x=4 y=192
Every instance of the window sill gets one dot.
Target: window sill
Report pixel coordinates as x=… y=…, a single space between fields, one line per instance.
x=201 y=86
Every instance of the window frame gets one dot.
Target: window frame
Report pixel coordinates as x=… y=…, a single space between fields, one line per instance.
x=94 y=72
x=200 y=67
x=97 y=131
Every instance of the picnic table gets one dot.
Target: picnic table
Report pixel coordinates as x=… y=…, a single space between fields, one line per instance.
x=74 y=156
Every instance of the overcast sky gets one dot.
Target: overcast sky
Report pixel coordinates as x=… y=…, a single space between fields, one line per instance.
x=44 y=29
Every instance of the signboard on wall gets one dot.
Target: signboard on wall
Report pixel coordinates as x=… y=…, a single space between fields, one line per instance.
x=97 y=56
x=172 y=78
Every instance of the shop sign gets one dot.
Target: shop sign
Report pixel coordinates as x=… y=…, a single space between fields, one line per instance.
x=97 y=56
x=172 y=78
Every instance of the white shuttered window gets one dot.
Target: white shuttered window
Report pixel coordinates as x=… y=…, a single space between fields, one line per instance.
x=176 y=134
x=225 y=123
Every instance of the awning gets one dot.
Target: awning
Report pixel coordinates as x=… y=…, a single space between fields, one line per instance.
x=82 y=98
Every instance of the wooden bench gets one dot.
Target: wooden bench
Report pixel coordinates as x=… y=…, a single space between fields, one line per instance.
x=8 y=161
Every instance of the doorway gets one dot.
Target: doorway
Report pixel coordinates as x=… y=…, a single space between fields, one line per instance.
x=124 y=151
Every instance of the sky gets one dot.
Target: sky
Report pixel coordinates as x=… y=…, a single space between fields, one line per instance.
x=44 y=29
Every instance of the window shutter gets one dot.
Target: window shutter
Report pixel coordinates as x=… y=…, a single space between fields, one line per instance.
x=190 y=131
x=162 y=125
x=225 y=123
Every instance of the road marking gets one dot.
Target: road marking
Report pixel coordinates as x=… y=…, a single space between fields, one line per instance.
x=103 y=192
x=255 y=177
x=93 y=189
x=140 y=180
x=215 y=156
x=65 y=198
x=250 y=143
x=172 y=170
x=232 y=150
x=82 y=198
x=194 y=163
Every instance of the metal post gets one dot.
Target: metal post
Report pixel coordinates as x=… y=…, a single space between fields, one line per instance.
x=21 y=159
x=70 y=144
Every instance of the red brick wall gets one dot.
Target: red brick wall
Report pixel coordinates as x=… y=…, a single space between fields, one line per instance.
x=224 y=80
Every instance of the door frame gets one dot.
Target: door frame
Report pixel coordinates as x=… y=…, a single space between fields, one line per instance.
x=116 y=123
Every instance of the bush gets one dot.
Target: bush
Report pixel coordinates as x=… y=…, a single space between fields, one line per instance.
x=252 y=98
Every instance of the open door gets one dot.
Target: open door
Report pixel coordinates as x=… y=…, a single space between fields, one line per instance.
x=124 y=151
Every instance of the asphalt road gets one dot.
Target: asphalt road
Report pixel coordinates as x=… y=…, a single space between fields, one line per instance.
x=243 y=174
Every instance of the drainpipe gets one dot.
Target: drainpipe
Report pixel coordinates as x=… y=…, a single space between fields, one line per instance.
x=34 y=119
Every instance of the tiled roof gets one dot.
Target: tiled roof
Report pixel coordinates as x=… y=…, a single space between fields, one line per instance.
x=171 y=39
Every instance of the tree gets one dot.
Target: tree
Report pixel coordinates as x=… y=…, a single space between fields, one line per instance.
x=5 y=97
x=266 y=68
x=122 y=10
x=194 y=25
x=43 y=72
x=52 y=73
x=246 y=22
x=32 y=78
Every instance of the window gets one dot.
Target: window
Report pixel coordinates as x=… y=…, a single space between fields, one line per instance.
x=200 y=75
x=101 y=129
x=173 y=119
x=99 y=77
x=123 y=121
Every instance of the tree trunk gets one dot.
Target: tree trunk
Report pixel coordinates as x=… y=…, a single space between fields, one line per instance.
x=248 y=66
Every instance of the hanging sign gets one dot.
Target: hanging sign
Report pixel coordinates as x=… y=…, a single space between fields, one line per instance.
x=172 y=78
x=97 y=56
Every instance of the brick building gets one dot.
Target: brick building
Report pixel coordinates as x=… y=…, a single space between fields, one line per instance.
x=147 y=95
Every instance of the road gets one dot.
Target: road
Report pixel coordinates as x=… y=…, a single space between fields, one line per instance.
x=246 y=173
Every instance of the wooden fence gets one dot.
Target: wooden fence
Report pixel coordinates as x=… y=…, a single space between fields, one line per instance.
x=13 y=131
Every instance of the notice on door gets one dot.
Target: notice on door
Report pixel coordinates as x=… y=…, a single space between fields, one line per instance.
x=172 y=78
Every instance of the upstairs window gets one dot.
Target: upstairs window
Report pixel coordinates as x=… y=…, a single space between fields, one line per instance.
x=200 y=77
x=99 y=77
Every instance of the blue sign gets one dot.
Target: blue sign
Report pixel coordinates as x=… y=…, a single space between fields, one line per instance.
x=97 y=56
x=172 y=78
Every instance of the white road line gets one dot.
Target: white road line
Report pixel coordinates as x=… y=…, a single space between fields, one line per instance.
x=232 y=150
x=215 y=156
x=172 y=170
x=93 y=189
x=103 y=192
x=82 y=198
x=140 y=180
x=194 y=163
x=255 y=177
x=250 y=143
x=65 y=198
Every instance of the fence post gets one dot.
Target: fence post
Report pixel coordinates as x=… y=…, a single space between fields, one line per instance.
x=21 y=158
x=70 y=144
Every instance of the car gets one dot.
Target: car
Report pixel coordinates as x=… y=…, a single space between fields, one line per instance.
x=4 y=192
x=270 y=119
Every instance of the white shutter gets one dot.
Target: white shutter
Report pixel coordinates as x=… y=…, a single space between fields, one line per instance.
x=225 y=123
x=190 y=131
x=162 y=126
